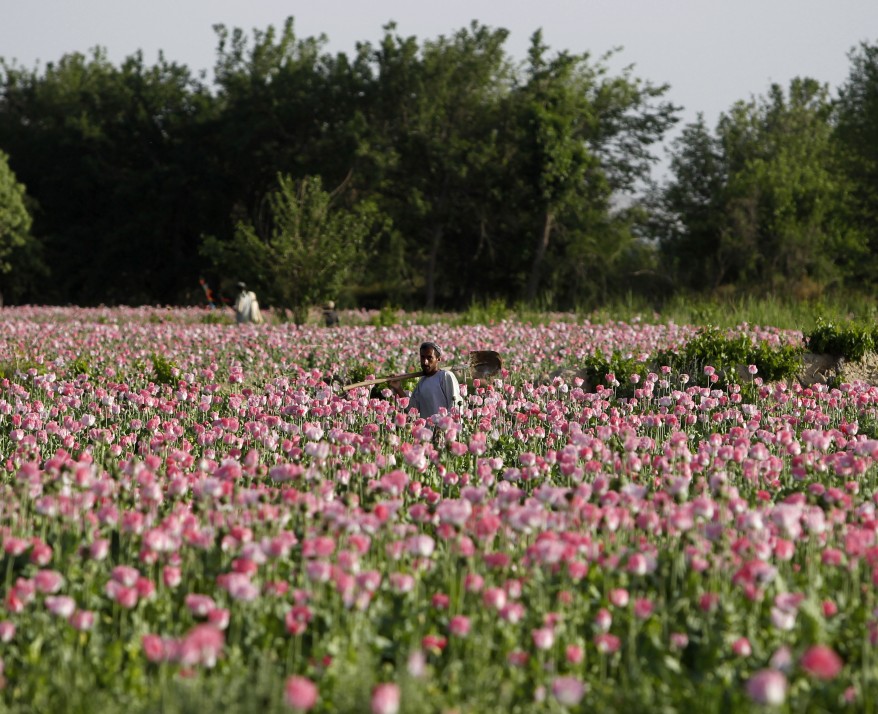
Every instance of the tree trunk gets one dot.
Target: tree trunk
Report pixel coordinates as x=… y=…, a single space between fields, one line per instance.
x=533 y=282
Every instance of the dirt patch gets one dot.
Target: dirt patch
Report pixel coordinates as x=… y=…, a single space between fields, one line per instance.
x=820 y=369
x=829 y=369
x=864 y=370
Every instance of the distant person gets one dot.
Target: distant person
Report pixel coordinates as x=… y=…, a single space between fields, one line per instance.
x=330 y=316
x=247 y=306
x=208 y=293
x=436 y=389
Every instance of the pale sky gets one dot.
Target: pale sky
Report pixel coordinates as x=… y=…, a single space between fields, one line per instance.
x=711 y=52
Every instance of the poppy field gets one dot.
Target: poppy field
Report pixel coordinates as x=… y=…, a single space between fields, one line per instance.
x=194 y=517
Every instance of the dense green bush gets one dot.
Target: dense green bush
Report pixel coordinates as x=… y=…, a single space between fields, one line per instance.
x=728 y=355
x=851 y=340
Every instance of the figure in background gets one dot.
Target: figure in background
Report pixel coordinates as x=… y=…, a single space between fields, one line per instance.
x=208 y=293
x=247 y=306
x=330 y=316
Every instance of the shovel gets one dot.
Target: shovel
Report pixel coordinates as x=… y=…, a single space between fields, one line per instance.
x=482 y=363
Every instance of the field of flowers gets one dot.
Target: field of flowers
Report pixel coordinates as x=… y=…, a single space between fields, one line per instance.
x=195 y=518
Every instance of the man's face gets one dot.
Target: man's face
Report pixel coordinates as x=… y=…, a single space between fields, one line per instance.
x=429 y=361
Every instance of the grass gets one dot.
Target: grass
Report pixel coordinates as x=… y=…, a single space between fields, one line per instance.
x=730 y=312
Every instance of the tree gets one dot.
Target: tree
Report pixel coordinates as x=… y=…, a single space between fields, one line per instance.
x=16 y=240
x=582 y=138
x=762 y=205
x=122 y=170
x=783 y=163
x=302 y=250
x=429 y=151
x=856 y=133
x=689 y=214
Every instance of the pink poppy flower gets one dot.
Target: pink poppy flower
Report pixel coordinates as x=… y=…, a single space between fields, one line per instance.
x=48 y=581
x=385 y=699
x=459 y=625
x=300 y=693
x=434 y=643
x=643 y=608
x=61 y=605
x=15 y=546
x=607 y=643
x=297 y=619
x=172 y=576
x=569 y=691
x=821 y=662
x=7 y=631
x=417 y=664
x=741 y=647
x=619 y=597
x=82 y=620
x=543 y=638
x=517 y=658
x=219 y=618
x=153 y=648
x=603 y=620
x=768 y=686
x=679 y=641
x=202 y=645
x=494 y=598
x=574 y=654
x=199 y=605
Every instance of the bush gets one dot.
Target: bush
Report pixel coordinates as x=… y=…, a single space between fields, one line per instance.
x=849 y=340
x=711 y=347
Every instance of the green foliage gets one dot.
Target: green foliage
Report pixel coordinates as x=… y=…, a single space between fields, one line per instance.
x=304 y=250
x=217 y=317
x=470 y=176
x=730 y=356
x=16 y=370
x=115 y=159
x=361 y=372
x=165 y=370
x=856 y=135
x=486 y=313
x=614 y=372
x=387 y=316
x=19 y=251
x=15 y=221
x=763 y=203
x=776 y=363
x=850 y=340
x=80 y=366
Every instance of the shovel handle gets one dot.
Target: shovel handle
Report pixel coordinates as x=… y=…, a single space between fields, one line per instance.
x=379 y=380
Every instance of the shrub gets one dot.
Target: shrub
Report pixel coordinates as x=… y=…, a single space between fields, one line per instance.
x=849 y=340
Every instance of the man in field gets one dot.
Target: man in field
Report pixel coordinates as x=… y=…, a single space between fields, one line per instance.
x=436 y=389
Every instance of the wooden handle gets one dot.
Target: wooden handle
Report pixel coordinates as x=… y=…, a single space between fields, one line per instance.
x=379 y=380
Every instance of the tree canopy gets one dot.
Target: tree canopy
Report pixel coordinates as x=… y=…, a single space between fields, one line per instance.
x=470 y=176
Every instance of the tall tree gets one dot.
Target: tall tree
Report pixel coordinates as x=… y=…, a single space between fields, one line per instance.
x=114 y=158
x=689 y=216
x=583 y=136
x=784 y=165
x=431 y=143
x=287 y=106
x=762 y=204
x=856 y=132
